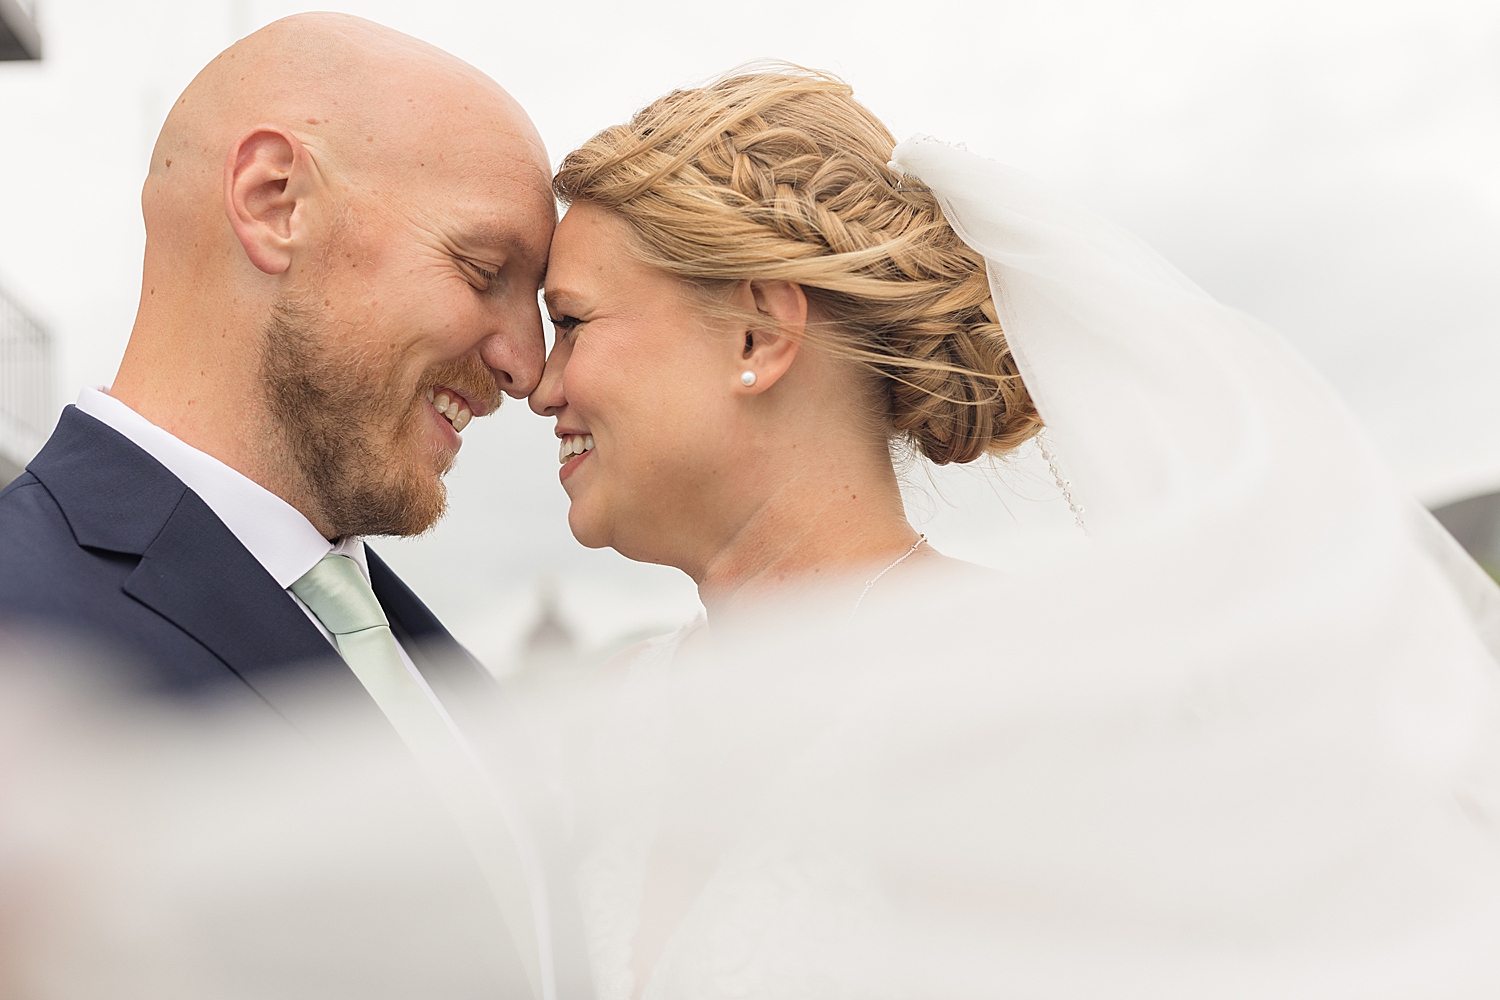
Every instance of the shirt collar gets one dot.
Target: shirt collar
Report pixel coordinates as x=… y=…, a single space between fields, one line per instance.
x=277 y=534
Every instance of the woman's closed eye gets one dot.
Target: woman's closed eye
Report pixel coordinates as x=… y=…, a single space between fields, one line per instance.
x=565 y=325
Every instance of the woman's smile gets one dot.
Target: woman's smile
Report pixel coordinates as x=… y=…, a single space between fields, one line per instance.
x=572 y=450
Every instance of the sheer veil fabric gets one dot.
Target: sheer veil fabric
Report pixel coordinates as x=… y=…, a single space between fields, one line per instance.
x=1243 y=740
x=1240 y=740
x=1175 y=416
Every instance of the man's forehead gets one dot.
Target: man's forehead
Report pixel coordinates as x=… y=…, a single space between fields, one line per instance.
x=507 y=221
x=484 y=142
x=477 y=171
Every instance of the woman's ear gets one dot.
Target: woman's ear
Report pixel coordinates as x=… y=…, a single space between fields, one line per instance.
x=266 y=181
x=770 y=346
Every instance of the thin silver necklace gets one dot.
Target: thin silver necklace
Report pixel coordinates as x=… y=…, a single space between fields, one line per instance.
x=900 y=559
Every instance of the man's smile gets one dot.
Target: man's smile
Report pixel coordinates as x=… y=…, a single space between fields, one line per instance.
x=453 y=407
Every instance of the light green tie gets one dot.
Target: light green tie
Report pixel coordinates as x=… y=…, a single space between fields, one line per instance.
x=337 y=593
x=335 y=590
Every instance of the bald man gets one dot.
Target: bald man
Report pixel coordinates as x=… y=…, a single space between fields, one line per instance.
x=345 y=232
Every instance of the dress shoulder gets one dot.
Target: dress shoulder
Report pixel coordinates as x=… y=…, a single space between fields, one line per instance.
x=657 y=651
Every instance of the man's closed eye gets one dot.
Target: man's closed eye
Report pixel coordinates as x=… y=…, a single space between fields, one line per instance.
x=480 y=276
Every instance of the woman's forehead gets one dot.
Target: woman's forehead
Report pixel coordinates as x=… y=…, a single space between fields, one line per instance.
x=592 y=255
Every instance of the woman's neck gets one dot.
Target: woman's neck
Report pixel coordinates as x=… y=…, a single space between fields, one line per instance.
x=815 y=532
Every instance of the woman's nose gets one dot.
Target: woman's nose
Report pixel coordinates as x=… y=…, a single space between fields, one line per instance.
x=548 y=399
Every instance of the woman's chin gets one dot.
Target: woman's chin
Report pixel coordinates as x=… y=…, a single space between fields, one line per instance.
x=587 y=531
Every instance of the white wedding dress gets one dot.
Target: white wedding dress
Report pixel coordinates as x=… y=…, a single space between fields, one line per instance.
x=1240 y=739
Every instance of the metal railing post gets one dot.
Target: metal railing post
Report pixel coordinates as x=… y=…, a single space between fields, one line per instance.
x=26 y=406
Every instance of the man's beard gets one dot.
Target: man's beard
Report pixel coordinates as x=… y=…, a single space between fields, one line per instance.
x=349 y=427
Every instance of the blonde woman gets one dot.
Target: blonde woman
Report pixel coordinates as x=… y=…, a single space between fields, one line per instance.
x=1215 y=753
x=746 y=318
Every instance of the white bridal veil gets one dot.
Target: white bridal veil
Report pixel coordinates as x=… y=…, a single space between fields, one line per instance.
x=1241 y=740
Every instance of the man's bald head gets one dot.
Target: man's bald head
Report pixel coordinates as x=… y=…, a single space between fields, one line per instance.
x=341 y=222
x=369 y=101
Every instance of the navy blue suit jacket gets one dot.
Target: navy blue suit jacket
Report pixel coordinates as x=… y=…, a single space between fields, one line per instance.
x=99 y=539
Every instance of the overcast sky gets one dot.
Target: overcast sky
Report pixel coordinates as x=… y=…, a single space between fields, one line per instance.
x=1330 y=167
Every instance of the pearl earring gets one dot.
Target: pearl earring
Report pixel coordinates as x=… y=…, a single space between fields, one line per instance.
x=747 y=378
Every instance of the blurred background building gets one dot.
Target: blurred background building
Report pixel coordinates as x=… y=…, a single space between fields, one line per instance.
x=550 y=640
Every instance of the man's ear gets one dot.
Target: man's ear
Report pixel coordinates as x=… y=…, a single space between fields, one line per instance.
x=770 y=347
x=265 y=182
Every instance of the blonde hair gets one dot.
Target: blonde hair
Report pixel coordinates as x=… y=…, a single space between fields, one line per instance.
x=782 y=175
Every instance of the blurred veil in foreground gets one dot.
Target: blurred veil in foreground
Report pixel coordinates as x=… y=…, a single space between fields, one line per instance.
x=164 y=850
x=1240 y=740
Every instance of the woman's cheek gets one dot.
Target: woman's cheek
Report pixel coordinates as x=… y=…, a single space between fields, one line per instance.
x=594 y=386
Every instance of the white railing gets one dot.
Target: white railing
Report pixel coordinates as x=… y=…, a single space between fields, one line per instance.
x=26 y=413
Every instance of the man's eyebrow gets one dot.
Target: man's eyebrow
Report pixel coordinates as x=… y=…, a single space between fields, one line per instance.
x=483 y=237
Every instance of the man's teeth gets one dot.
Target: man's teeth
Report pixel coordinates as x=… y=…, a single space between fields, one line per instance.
x=574 y=444
x=454 y=409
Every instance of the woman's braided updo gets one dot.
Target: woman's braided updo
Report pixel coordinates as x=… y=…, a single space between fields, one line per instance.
x=782 y=175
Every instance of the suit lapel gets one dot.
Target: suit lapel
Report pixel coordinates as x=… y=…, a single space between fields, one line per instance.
x=198 y=576
x=411 y=620
x=192 y=570
x=113 y=495
x=459 y=681
x=402 y=605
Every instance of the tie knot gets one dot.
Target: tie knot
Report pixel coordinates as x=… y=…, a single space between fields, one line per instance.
x=335 y=590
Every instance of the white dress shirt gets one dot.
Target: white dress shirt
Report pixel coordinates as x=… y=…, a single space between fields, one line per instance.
x=277 y=534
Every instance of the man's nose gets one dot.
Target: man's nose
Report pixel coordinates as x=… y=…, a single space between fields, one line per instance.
x=516 y=357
